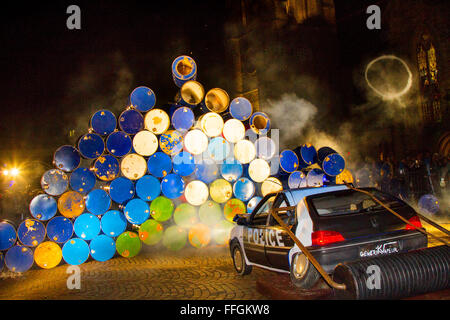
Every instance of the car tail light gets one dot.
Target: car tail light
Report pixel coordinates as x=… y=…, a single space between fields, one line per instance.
x=323 y=237
x=414 y=221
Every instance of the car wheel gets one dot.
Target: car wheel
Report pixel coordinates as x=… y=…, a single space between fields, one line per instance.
x=241 y=267
x=303 y=273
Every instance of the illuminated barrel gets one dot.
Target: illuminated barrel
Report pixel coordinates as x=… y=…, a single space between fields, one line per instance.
x=87 y=226
x=244 y=189
x=48 y=255
x=196 y=192
x=142 y=99
x=221 y=232
x=220 y=190
x=232 y=208
x=157 y=121
x=133 y=166
x=259 y=170
x=260 y=123
x=98 y=201
x=128 y=244
x=199 y=235
x=233 y=130
x=211 y=124
x=145 y=143
x=219 y=149
x=136 y=211
x=253 y=203
x=183 y=164
x=75 y=251
x=102 y=248
x=54 y=182
x=82 y=180
x=171 y=142
x=66 y=158
x=59 y=229
x=131 y=121
x=185 y=215
x=332 y=163
x=288 y=162
x=240 y=108
x=103 y=122
x=174 y=238
x=244 y=151
x=148 y=188
x=217 y=100
x=184 y=69
x=159 y=164
x=161 y=209
x=172 y=186
x=429 y=204
x=71 y=204
x=344 y=176
x=231 y=170
x=106 y=168
x=91 y=146
x=19 y=258
x=113 y=223
x=315 y=177
x=195 y=142
x=43 y=207
x=31 y=232
x=207 y=170
x=210 y=213
x=191 y=94
x=265 y=148
x=121 y=190
x=118 y=143
x=297 y=179
x=183 y=119
x=307 y=155
x=271 y=185
x=151 y=232
x=8 y=235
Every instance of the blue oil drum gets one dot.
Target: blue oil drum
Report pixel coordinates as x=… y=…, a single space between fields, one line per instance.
x=98 y=202
x=31 y=232
x=59 y=229
x=119 y=143
x=183 y=119
x=43 y=207
x=231 y=169
x=171 y=142
x=91 y=146
x=103 y=122
x=260 y=123
x=429 y=204
x=148 y=188
x=307 y=155
x=315 y=177
x=75 y=251
x=288 y=162
x=113 y=223
x=183 y=164
x=131 y=121
x=19 y=258
x=142 y=99
x=184 y=69
x=253 y=202
x=106 y=168
x=218 y=149
x=102 y=248
x=332 y=163
x=172 y=186
x=207 y=171
x=265 y=148
x=66 y=158
x=297 y=179
x=159 y=164
x=86 y=226
x=54 y=182
x=8 y=235
x=137 y=211
x=244 y=189
x=121 y=190
x=82 y=180
x=241 y=108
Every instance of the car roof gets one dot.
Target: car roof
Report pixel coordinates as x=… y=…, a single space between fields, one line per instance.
x=294 y=196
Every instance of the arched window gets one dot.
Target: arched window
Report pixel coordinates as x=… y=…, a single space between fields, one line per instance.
x=429 y=85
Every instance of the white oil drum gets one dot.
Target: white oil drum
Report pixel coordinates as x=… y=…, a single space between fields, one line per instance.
x=157 y=121
x=259 y=170
x=211 y=124
x=133 y=166
x=233 y=130
x=196 y=192
x=244 y=151
x=271 y=185
x=195 y=142
x=145 y=143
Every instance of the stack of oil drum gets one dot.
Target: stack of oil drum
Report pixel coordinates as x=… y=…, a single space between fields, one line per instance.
x=159 y=175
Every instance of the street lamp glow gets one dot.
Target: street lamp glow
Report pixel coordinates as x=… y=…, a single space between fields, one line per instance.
x=14 y=172
x=5 y=172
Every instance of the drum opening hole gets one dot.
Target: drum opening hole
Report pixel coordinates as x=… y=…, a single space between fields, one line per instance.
x=259 y=122
x=184 y=67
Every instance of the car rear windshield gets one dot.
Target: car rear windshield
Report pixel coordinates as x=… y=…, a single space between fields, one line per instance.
x=350 y=201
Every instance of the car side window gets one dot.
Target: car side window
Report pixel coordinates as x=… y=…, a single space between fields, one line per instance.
x=260 y=217
x=288 y=217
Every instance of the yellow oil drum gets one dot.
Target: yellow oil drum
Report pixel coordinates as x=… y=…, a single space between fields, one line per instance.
x=71 y=204
x=199 y=235
x=220 y=190
x=48 y=255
